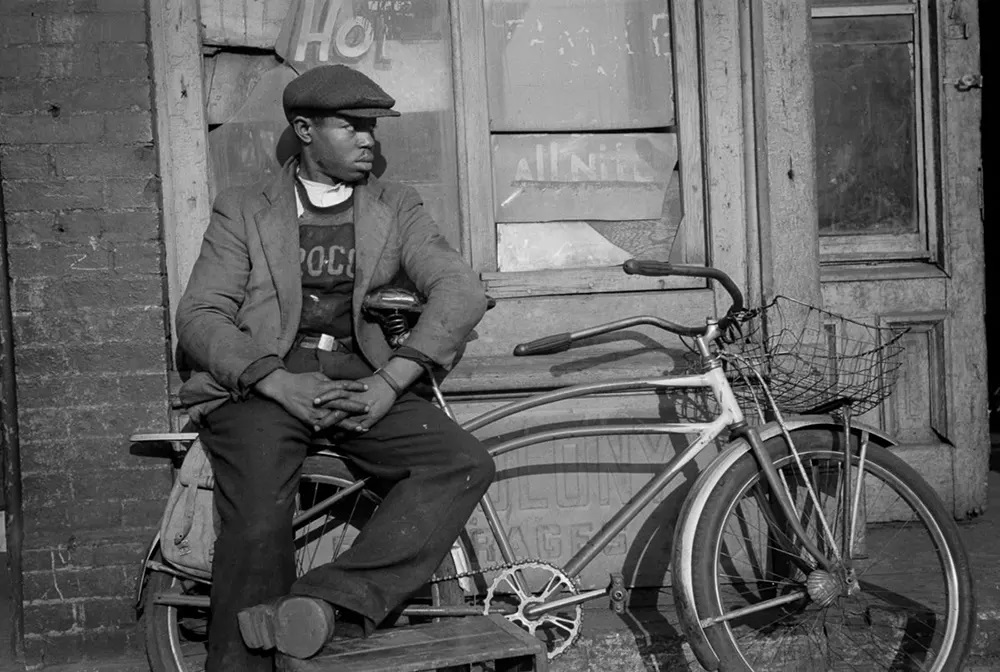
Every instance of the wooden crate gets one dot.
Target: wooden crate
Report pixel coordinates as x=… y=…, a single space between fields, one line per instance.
x=466 y=641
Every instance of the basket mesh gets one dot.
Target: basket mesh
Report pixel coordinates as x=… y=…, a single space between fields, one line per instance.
x=811 y=360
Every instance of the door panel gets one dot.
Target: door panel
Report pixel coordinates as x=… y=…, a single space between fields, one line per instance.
x=931 y=286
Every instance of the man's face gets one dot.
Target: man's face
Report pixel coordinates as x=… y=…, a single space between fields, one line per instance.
x=339 y=147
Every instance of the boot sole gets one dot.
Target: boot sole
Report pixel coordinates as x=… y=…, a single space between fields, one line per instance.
x=296 y=626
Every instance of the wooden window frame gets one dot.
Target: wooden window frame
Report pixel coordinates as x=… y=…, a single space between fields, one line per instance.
x=717 y=185
x=923 y=244
x=476 y=197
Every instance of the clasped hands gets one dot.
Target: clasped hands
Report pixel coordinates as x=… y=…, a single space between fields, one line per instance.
x=321 y=402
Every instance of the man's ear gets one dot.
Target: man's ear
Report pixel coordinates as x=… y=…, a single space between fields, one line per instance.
x=303 y=128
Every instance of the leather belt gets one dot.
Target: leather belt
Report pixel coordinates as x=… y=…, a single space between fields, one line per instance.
x=323 y=342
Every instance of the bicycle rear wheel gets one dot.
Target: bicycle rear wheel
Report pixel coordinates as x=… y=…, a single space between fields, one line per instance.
x=176 y=636
x=910 y=605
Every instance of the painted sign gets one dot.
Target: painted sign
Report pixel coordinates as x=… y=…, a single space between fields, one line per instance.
x=594 y=176
x=553 y=497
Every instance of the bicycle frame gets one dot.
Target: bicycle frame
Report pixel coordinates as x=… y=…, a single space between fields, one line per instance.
x=730 y=417
x=713 y=378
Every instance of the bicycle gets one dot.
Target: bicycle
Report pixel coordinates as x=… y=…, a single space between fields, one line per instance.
x=806 y=544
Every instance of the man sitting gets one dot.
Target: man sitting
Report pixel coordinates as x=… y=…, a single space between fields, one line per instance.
x=271 y=322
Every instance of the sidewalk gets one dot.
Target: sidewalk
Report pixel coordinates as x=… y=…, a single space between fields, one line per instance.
x=647 y=640
x=609 y=643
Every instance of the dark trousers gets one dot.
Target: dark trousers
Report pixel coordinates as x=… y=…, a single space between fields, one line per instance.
x=434 y=474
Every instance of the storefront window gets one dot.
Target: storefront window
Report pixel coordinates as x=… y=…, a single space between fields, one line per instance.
x=872 y=161
x=583 y=132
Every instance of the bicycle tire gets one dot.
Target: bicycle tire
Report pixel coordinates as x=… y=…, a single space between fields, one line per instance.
x=923 y=628
x=176 y=637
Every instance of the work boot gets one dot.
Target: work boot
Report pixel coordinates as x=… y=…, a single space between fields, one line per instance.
x=297 y=626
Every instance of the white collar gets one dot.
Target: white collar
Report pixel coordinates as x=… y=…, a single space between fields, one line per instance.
x=320 y=194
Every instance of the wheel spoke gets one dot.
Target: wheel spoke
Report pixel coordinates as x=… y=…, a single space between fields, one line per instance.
x=899 y=615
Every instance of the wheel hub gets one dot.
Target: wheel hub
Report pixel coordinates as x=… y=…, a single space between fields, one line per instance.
x=824 y=587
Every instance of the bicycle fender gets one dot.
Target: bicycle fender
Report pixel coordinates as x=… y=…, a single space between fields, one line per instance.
x=693 y=508
x=140 y=584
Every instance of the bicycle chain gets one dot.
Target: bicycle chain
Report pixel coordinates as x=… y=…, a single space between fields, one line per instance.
x=499 y=567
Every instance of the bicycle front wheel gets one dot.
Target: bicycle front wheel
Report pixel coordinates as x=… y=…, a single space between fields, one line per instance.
x=900 y=596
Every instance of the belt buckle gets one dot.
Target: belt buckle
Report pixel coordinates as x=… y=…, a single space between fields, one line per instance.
x=326 y=342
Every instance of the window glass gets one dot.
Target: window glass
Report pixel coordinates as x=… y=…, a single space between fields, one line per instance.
x=866 y=124
x=584 y=132
x=579 y=200
x=404 y=45
x=579 y=64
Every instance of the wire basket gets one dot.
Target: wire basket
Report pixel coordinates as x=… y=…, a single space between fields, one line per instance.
x=811 y=360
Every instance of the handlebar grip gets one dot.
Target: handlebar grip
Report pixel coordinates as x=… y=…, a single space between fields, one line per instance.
x=545 y=345
x=662 y=268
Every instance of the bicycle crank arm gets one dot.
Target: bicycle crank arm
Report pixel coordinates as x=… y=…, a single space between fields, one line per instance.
x=760 y=606
x=458 y=610
x=178 y=600
x=536 y=610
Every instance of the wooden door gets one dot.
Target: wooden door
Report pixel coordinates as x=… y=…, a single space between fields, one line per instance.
x=900 y=218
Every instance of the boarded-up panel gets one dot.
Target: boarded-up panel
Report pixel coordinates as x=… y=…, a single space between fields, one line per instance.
x=579 y=65
x=249 y=137
x=253 y=23
x=257 y=23
x=552 y=245
x=605 y=176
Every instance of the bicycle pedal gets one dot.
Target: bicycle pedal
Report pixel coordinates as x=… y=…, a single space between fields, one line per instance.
x=617 y=593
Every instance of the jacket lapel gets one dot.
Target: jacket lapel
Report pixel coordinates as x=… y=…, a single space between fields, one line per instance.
x=278 y=227
x=372 y=221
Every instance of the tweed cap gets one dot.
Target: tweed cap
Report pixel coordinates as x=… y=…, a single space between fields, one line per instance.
x=336 y=89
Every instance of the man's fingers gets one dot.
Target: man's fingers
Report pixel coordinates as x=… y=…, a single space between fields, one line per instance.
x=343 y=390
x=352 y=425
x=340 y=419
x=349 y=406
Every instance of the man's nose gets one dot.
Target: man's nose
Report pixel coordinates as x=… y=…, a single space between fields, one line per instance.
x=366 y=139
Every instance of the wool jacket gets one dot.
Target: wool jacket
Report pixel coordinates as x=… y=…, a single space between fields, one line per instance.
x=243 y=300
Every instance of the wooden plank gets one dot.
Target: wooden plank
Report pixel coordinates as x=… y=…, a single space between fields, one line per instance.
x=687 y=94
x=180 y=137
x=787 y=160
x=577 y=281
x=450 y=641
x=475 y=174
x=902 y=270
x=243 y=23
x=726 y=151
x=820 y=12
x=961 y=119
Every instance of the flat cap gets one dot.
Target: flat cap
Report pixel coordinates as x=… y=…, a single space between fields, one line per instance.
x=336 y=89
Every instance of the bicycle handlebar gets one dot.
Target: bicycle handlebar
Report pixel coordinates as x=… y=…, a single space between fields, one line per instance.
x=561 y=342
x=665 y=268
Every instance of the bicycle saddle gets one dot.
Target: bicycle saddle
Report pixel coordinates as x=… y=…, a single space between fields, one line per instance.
x=392 y=300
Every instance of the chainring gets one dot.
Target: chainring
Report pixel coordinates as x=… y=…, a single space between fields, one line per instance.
x=558 y=629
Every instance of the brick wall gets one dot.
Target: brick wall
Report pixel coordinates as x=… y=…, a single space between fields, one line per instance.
x=81 y=198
